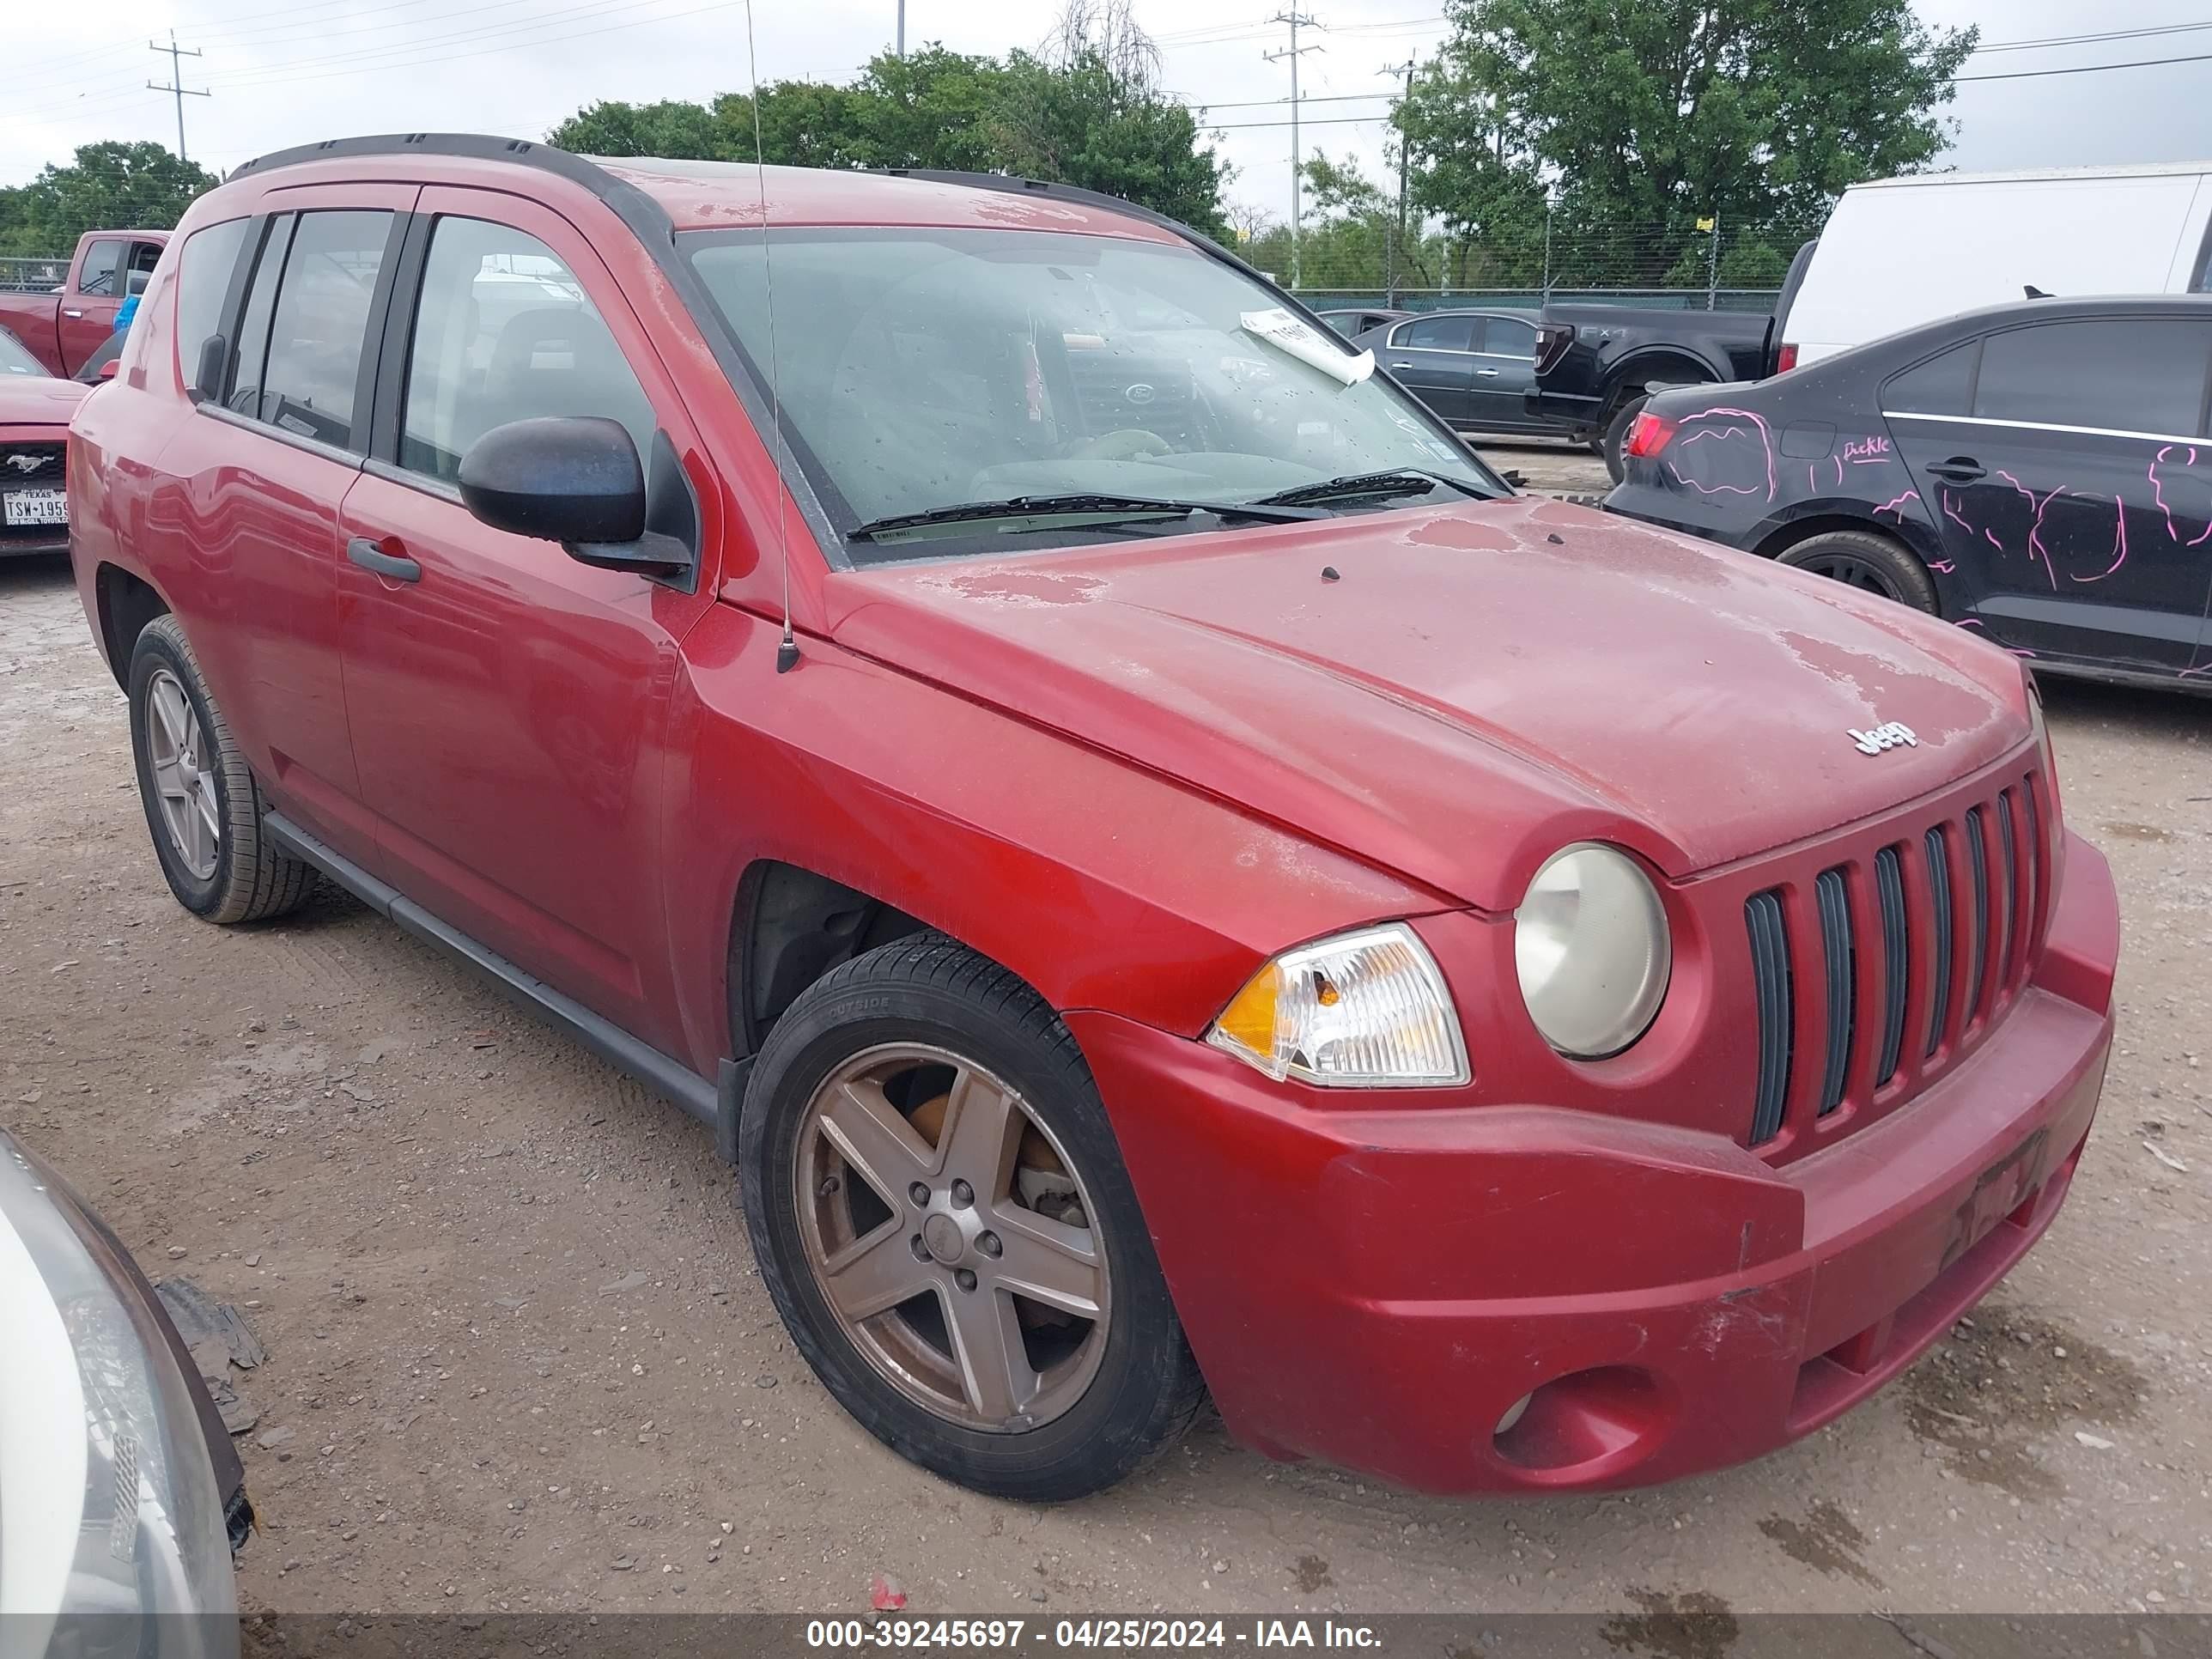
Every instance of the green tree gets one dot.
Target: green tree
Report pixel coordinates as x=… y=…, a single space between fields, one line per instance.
x=138 y=186
x=1083 y=121
x=1644 y=116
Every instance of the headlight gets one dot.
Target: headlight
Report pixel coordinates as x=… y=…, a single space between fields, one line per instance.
x=110 y=1518
x=1364 y=1010
x=1589 y=942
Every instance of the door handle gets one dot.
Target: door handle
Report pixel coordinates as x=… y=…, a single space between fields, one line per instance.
x=370 y=557
x=1958 y=469
x=1486 y=373
x=1400 y=365
x=66 y=312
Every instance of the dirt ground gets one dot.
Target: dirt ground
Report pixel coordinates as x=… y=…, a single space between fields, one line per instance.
x=518 y=1358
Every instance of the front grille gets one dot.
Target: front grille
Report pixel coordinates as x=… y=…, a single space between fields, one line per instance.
x=1928 y=934
x=31 y=466
x=44 y=471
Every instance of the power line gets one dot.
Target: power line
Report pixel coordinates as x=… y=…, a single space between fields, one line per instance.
x=2085 y=39
x=2083 y=68
x=177 y=55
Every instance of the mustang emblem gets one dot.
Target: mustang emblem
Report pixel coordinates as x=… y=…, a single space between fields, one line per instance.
x=1876 y=738
x=27 y=462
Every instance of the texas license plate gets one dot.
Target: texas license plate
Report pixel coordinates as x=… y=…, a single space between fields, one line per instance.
x=34 y=506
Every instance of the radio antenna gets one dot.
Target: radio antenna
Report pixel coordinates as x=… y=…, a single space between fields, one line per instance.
x=786 y=650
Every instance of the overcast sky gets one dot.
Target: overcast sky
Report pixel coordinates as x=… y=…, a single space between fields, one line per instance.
x=319 y=69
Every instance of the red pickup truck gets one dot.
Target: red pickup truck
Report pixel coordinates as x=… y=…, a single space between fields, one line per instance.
x=67 y=325
x=1163 y=873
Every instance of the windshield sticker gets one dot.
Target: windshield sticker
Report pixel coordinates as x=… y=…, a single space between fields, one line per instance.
x=1309 y=344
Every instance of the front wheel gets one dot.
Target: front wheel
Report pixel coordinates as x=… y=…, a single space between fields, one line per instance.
x=1871 y=562
x=942 y=1216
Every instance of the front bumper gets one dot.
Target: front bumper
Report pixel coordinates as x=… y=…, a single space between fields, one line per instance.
x=1380 y=1288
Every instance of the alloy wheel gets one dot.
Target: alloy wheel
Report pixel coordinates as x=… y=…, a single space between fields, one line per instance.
x=184 y=777
x=952 y=1238
x=1855 y=572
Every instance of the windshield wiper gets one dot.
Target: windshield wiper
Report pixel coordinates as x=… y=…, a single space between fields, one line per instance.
x=1399 y=481
x=1075 y=506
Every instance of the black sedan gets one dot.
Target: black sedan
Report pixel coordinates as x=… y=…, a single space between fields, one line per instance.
x=1472 y=368
x=2039 y=472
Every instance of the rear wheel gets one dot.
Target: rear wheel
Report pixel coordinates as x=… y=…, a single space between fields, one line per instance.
x=1871 y=562
x=941 y=1214
x=202 y=803
x=1616 y=441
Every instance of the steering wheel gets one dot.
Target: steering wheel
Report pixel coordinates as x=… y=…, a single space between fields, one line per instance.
x=1126 y=444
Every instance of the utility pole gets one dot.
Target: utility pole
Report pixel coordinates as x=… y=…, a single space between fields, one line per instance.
x=1713 y=261
x=1296 y=20
x=901 y=28
x=176 y=85
x=1405 y=69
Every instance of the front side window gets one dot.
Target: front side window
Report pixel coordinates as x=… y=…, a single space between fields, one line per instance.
x=302 y=375
x=505 y=332
x=922 y=369
x=98 y=274
x=2124 y=373
x=203 y=273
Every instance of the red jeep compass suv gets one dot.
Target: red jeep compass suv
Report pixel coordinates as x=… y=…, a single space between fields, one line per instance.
x=1165 y=875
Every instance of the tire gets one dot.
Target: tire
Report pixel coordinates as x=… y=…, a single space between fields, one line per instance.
x=1869 y=561
x=1616 y=436
x=1129 y=1386
x=221 y=865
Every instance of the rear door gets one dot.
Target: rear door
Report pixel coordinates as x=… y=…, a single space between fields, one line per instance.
x=252 y=486
x=1504 y=369
x=2065 y=463
x=1434 y=358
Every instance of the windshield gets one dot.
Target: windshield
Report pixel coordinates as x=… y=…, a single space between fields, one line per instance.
x=16 y=358
x=922 y=369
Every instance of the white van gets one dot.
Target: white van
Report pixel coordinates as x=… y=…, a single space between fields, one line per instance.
x=1903 y=251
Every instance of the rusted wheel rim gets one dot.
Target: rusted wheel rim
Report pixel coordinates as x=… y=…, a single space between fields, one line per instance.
x=952 y=1238
x=183 y=779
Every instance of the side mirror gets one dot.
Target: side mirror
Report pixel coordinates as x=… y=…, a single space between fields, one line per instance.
x=207 y=374
x=107 y=369
x=575 y=480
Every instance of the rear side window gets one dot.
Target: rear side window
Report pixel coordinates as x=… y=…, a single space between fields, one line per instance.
x=504 y=332
x=98 y=274
x=1508 y=337
x=306 y=374
x=1438 y=334
x=204 y=273
x=2122 y=373
x=1944 y=385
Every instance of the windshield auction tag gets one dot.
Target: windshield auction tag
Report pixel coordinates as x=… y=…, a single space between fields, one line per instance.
x=1309 y=344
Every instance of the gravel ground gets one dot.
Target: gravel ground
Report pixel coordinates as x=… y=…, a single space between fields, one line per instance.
x=519 y=1359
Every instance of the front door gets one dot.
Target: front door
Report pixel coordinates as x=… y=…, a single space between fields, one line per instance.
x=2065 y=463
x=508 y=705
x=1504 y=369
x=1434 y=358
x=87 y=310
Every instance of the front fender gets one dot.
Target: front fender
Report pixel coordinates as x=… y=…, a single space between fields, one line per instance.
x=1103 y=885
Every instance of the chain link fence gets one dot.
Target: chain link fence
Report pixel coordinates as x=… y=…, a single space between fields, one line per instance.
x=32 y=275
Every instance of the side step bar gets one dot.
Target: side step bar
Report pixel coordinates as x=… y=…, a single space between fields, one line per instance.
x=714 y=1103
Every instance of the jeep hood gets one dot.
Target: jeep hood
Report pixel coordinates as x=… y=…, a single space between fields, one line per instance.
x=1453 y=693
